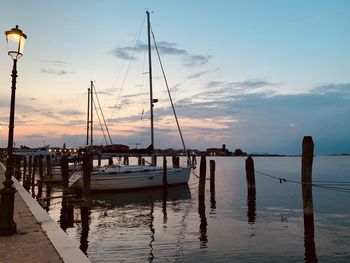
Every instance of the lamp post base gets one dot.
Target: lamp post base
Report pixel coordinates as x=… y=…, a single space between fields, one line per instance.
x=7 y=225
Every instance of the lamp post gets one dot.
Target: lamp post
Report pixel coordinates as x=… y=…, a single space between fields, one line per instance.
x=15 y=41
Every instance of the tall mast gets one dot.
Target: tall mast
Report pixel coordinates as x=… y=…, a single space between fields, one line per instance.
x=91 y=105
x=88 y=119
x=150 y=76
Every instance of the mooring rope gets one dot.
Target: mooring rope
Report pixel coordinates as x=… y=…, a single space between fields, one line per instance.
x=322 y=184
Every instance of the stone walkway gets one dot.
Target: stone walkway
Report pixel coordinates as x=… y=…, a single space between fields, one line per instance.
x=32 y=243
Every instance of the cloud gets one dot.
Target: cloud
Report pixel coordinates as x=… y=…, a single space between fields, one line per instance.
x=164 y=48
x=58 y=63
x=55 y=72
x=341 y=89
x=254 y=84
x=195 y=60
x=71 y=112
x=198 y=74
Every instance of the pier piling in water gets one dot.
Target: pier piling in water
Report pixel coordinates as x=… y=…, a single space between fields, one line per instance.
x=87 y=165
x=64 y=172
x=212 y=184
x=250 y=172
x=110 y=160
x=251 y=195
x=306 y=180
x=99 y=159
x=201 y=201
x=165 y=176
x=41 y=176
x=17 y=161
x=176 y=161
x=48 y=167
x=35 y=163
x=202 y=176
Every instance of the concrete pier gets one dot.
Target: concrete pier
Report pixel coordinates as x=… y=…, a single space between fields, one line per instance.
x=38 y=238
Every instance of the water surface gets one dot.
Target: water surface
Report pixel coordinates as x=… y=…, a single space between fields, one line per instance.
x=231 y=225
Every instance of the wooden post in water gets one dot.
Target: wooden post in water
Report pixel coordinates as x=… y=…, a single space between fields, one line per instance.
x=99 y=159
x=41 y=176
x=85 y=220
x=24 y=168
x=48 y=167
x=251 y=196
x=29 y=176
x=154 y=160
x=250 y=173
x=87 y=162
x=110 y=160
x=35 y=163
x=64 y=173
x=139 y=160
x=165 y=176
x=201 y=201
x=26 y=183
x=212 y=184
x=17 y=161
x=126 y=160
x=306 y=180
x=202 y=176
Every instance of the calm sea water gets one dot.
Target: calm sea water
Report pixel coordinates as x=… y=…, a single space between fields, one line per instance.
x=153 y=226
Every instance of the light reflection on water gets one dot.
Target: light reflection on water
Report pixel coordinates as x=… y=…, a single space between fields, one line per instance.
x=232 y=225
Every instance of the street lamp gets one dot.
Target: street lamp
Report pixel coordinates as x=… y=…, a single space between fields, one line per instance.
x=15 y=39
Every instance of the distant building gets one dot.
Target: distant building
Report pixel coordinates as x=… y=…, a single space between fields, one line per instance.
x=218 y=151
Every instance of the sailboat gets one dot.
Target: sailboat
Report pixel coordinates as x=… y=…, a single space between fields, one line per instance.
x=125 y=177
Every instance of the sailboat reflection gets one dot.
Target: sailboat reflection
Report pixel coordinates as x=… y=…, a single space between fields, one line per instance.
x=121 y=199
x=145 y=199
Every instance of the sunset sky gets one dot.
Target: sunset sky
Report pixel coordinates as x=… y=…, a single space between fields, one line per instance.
x=255 y=75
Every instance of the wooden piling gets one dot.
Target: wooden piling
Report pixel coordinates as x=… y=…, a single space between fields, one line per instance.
x=87 y=165
x=41 y=175
x=48 y=167
x=250 y=173
x=201 y=201
x=26 y=182
x=306 y=174
x=212 y=184
x=194 y=161
x=64 y=173
x=85 y=219
x=176 y=161
x=165 y=176
x=154 y=160
x=24 y=168
x=110 y=160
x=306 y=180
x=202 y=176
x=99 y=159
x=30 y=165
x=139 y=160
x=17 y=161
x=126 y=160
x=35 y=163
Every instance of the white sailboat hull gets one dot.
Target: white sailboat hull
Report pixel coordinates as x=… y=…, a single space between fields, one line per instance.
x=131 y=177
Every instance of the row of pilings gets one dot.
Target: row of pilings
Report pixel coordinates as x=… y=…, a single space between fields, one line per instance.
x=306 y=184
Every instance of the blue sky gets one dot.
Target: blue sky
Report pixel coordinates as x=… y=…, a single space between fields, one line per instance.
x=256 y=75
